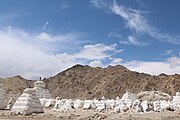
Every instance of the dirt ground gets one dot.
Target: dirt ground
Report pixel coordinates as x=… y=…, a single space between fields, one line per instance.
x=91 y=115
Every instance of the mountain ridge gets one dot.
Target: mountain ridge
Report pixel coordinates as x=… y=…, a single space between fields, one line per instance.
x=90 y=82
x=94 y=82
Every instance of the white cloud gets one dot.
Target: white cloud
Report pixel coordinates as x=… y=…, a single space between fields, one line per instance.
x=5 y=17
x=114 y=34
x=44 y=36
x=100 y=4
x=174 y=61
x=69 y=37
x=96 y=63
x=61 y=6
x=45 y=25
x=132 y=40
x=124 y=42
x=19 y=57
x=21 y=53
x=96 y=52
x=135 y=21
x=64 y=5
x=171 y=66
x=116 y=61
x=141 y=2
x=167 y=52
x=165 y=37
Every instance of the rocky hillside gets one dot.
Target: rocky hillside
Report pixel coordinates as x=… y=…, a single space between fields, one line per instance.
x=14 y=86
x=90 y=82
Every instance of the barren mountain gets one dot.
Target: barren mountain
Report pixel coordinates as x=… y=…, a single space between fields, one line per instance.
x=90 y=82
x=14 y=86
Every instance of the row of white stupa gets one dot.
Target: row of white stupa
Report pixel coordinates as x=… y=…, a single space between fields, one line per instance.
x=34 y=100
x=128 y=102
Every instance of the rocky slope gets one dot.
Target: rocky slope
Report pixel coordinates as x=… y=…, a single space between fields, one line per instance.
x=14 y=86
x=90 y=82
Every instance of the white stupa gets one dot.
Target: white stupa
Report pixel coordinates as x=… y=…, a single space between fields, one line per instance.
x=129 y=98
x=176 y=100
x=147 y=106
x=110 y=104
x=89 y=104
x=137 y=107
x=41 y=92
x=27 y=103
x=78 y=104
x=59 y=104
x=121 y=106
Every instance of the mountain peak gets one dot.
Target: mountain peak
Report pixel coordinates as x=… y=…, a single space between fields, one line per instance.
x=18 y=76
x=89 y=82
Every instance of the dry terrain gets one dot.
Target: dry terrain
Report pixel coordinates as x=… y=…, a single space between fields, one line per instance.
x=92 y=115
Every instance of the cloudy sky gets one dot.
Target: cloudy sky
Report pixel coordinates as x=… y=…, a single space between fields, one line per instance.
x=44 y=37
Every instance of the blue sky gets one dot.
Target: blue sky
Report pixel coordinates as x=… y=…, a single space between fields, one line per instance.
x=44 y=37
